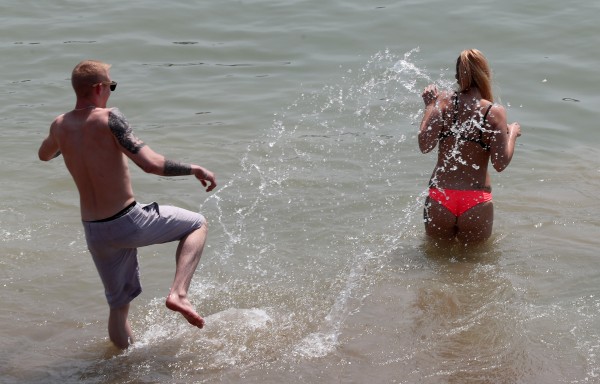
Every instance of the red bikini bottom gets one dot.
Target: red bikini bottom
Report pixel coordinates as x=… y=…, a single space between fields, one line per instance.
x=459 y=201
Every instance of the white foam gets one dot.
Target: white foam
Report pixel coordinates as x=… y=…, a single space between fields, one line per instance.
x=232 y=318
x=316 y=345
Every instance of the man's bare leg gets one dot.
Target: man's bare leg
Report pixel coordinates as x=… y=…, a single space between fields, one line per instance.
x=119 y=330
x=188 y=255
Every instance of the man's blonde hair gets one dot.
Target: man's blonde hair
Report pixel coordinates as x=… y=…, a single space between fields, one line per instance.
x=88 y=73
x=472 y=69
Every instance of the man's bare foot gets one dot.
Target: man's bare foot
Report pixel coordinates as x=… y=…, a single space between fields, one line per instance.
x=183 y=306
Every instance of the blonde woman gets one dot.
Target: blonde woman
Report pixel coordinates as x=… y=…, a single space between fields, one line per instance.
x=470 y=132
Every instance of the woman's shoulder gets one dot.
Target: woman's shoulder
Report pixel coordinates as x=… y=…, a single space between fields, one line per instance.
x=445 y=97
x=495 y=108
x=495 y=115
x=447 y=94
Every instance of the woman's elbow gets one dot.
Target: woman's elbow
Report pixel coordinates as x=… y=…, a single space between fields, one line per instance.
x=499 y=167
x=425 y=145
x=500 y=163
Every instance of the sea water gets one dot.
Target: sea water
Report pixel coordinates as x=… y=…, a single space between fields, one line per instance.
x=316 y=267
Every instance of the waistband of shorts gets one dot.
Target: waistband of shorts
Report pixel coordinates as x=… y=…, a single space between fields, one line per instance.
x=121 y=213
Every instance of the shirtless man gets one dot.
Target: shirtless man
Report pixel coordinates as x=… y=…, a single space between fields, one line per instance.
x=95 y=142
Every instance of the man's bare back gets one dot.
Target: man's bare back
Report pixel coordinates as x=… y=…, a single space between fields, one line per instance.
x=96 y=163
x=96 y=143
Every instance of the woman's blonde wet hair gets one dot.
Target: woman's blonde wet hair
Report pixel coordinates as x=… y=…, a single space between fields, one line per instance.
x=473 y=70
x=86 y=74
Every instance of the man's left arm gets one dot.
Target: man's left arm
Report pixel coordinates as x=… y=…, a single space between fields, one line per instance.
x=148 y=160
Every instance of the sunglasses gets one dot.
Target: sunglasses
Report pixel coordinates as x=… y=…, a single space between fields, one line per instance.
x=113 y=84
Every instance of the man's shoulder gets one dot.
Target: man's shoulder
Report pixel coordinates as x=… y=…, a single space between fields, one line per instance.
x=58 y=119
x=59 y=122
x=117 y=120
x=114 y=111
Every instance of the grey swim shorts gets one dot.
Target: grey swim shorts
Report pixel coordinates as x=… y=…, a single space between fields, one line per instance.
x=113 y=244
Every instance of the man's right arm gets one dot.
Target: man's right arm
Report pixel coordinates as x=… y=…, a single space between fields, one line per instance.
x=49 y=148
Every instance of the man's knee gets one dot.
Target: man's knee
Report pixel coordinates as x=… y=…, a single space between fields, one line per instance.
x=203 y=228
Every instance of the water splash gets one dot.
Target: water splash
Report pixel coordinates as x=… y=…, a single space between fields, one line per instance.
x=327 y=160
x=297 y=233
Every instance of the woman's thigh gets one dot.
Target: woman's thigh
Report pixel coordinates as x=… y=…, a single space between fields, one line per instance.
x=440 y=223
x=475 y=225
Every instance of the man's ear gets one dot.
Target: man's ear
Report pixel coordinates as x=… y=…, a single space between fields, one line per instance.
x=97 y=89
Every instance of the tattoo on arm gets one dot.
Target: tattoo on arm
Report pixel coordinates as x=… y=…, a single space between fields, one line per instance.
x=123 y=132
x=173 y=168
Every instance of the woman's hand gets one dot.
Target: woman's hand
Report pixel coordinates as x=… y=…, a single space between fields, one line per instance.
x=430 y=94
x=515 y=127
